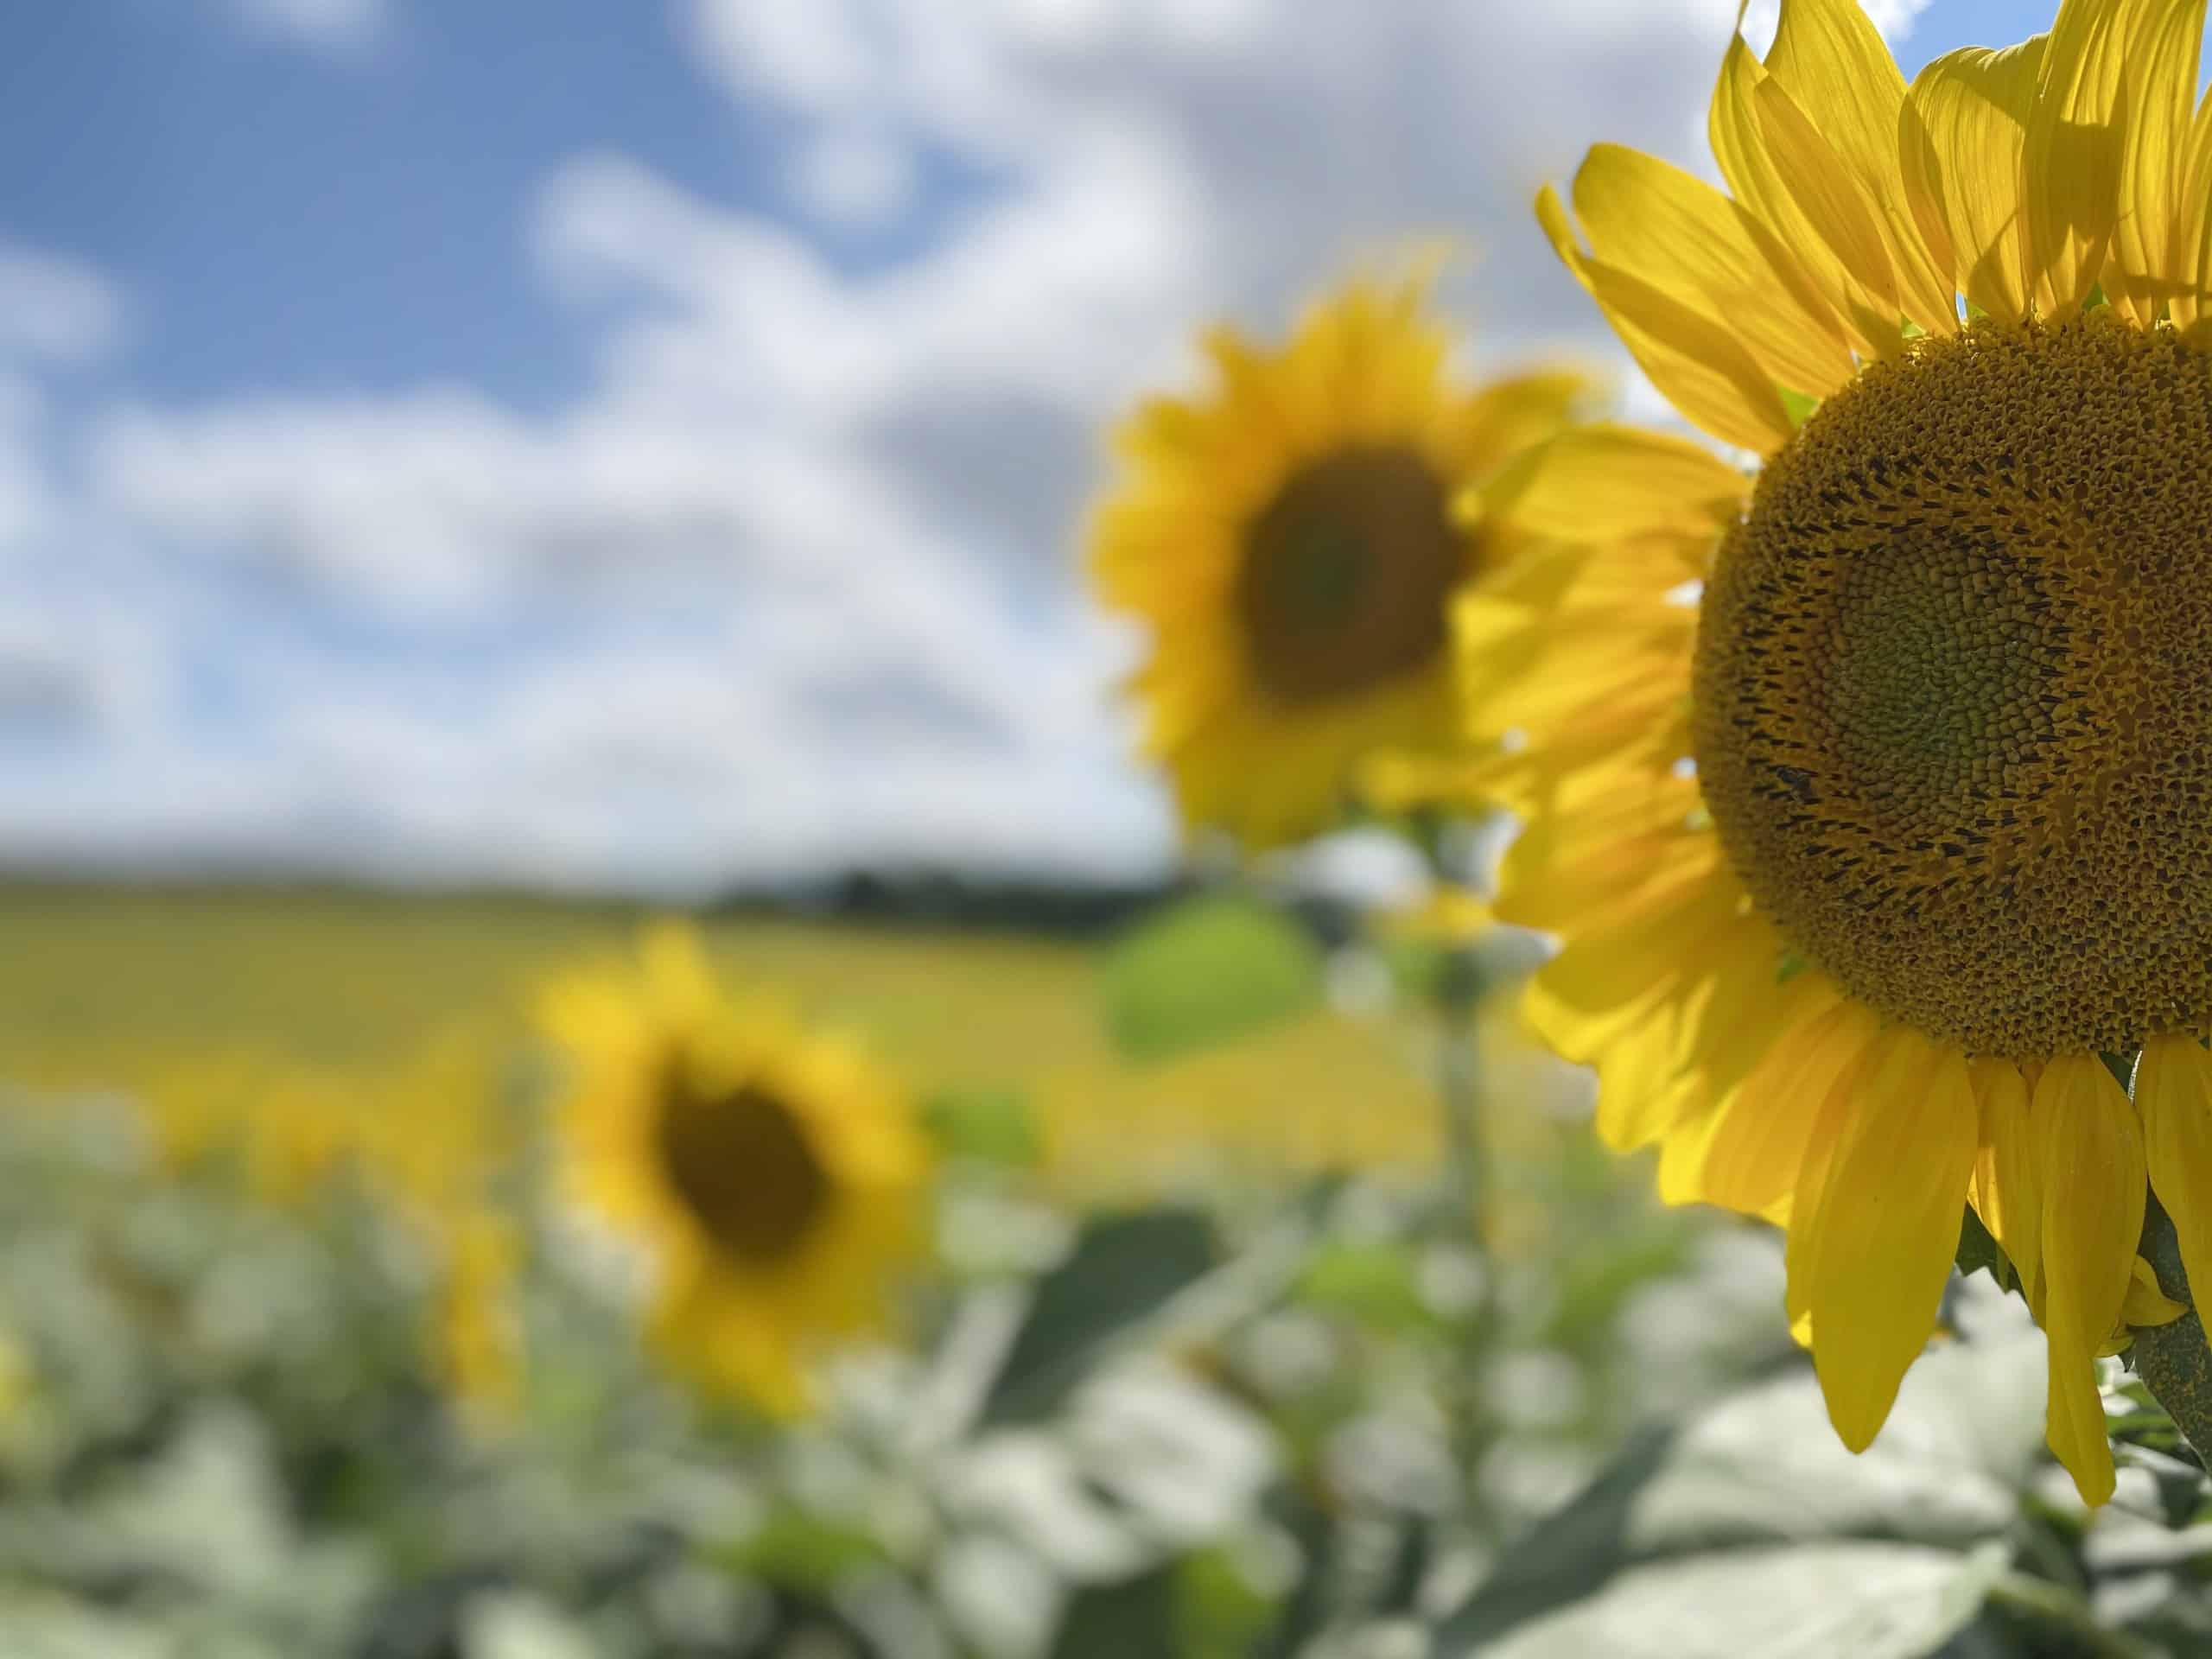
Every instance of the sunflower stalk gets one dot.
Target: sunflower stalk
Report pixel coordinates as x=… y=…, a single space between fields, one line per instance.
x=1461 y=1214
x=1456 y=994
x=1458 y=1088
x=2173 y=1359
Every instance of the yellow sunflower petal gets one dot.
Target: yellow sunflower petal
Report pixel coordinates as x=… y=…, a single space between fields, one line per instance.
x=2173 y=1091
x=1832 y=201
x=2007 y=1190
x=1760 y=179
x=2147 y=269
x=1881 y=1247
x=1701 y=366
x=2075 y=142
x=1964 y=141
x=1643 y=1091
x=1603 y=483
x=1831 y=59
x=1758 y=1150
x=1603 y=977
x=2090 y=1143
x=1684 y=237
x=1829 y=1116
x=2147 y=1304
x=1561 y=890
x=2191 y=242
x=1501 y=420
x=1737 y=1028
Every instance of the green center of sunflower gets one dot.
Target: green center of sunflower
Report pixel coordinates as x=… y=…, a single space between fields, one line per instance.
x=1346 y=574
x=742 y=1163
x=1954 y=689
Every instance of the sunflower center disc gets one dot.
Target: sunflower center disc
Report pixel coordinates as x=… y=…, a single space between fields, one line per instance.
x=1954 y=689
x=1346 y=573
x=742 y=1165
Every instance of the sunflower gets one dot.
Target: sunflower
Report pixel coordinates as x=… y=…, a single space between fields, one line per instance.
x=1288 y=538
x=1867 y=790
x=775 y=1175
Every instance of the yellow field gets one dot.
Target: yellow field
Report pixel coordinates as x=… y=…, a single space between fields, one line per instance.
x=116 y=988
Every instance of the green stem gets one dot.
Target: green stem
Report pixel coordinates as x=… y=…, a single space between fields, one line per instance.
x=1458 y=1088
x=2055 y=1605
x=2173 y=1360
x=1462 y=1204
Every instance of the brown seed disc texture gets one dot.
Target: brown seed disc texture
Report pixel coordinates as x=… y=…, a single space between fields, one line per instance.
x=1954 y=687
x=743 y=1166
x=1346 y=574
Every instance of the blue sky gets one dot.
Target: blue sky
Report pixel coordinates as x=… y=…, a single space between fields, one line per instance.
x=645 y=447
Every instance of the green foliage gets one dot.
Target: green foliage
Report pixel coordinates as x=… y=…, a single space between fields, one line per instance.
x=1372 y=1282
x=1843 y=1600
x=1204 y=972
x=991 y=1126
x=1219 y=1612
x=1116 y=1620
x=1121 y=1269
x=1748 y=1530
x=1244 y=1423
x=1979 y=1252
x=795 y=1550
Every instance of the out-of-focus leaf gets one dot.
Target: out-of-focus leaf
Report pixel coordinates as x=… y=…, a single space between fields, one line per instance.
x=798 y=1551
x=1374 y=1281
x=2181 y=1490
x=1764 y=1468
x=1121 y=1269
x=1205 y=971
x=1842 y=1600
x=1121 y=1620
x=1979 y=1252
x=34 y=1626
x=513 y=1624
x=1313 y=1596
x=992 y=1126
x=1221 y=1614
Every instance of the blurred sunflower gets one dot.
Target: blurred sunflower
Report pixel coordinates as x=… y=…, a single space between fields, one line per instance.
x=1867 y=791
x=1290 y=541
x=776 y=1177
x=285 y=1127
x=427 y=1135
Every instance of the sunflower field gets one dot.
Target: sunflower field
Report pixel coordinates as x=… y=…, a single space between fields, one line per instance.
x=1734 y=1193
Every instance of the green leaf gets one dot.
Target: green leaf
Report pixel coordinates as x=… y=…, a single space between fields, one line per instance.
x=1204 y=972
x=991 y=1126
x=1122 y=1269
x=1800 y=407
x=1843 y=1600
x=1762 y=1470
x=1122 y=1620
x=1979 y=1252
x=1220 y=1614
x=2181 y=1485
x=797 y=1551
x=1374 y=1281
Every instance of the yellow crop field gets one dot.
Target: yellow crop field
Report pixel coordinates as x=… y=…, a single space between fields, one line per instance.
x=117 y=987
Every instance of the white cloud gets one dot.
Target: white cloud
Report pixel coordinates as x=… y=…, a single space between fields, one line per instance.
x=326 y=25
x=1894 y=17
x=55 y=309
x=856 y=178
x=792 y=584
